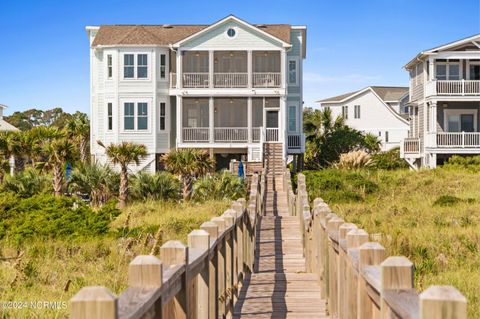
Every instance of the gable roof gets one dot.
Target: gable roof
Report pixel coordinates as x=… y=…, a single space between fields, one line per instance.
x=423 y=54
x=165 y=35
x=385 y=93
x=5 y=126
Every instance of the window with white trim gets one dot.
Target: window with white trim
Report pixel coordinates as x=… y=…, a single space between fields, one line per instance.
x=447 y=71
x=162 y=113
x=163 y=66
x=129 y=116
x=109 y=66
x=356 y=113
x=142 y=116
x=345 y=112
x=292 y=118
x=142 y=66
x=128 y=66
x=292 y=72
x=110 y=116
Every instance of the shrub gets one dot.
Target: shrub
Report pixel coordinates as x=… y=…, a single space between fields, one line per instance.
x=45 y=216
x=449 y=200
x=223 y=185
x=27 y=183
x=471 y=163
x=389 y=160
x=354 y=160
x=162 y=185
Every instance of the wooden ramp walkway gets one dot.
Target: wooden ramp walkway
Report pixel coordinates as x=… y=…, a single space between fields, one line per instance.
x=280 y=287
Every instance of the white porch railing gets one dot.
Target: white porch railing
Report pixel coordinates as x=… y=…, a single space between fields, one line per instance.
x=173 y=80
x=230 y=80
x=195 y=80
x=196 y=134
x=271 y=134
x=411 y=145
x=256 y=131
x=458 y=139
x=231 y=134
x=458 y=87
x=294 y=141
x=267 y=80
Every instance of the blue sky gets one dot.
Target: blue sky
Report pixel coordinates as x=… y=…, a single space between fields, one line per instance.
x=351 y=44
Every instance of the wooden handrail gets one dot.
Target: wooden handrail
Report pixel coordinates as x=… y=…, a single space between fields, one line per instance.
x=356 y=278
x=199 y=280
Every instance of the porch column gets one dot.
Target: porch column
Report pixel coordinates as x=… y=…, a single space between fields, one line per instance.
x=431 y=68
x=433 y=117
x=249 y=119
x=179 y=120
x=211 y=65
x=249 y=68
x=283 y=68
x=179 y=69
x=211 y=120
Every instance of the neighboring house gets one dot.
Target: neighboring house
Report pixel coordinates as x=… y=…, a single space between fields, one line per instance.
x=379 y=110
x=228 y=87
x=5 y=126
x=444 y=103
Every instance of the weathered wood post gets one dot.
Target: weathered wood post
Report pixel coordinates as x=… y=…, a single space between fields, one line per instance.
x=370 y=254
x=212 y=229
x=240 y=238
x=322 y=212
x=355 y=238
x=94 y=303
x=232 y=215
x=332 y=229
x=343 y=265
x=442 y=302
x=200 y=239
x=221 y=264
x=229 y=259
x=174 y=253
x=396 y=273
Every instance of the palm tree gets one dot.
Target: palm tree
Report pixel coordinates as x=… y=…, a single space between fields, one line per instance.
x=78 y=128
x=10 y=147
x=188 y=164
x=124 y=154
x=58 y=151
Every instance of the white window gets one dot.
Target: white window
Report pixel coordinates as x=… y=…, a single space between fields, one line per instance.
x=447 y=71
x=162 y=116
x=356 y=112
x=110 y=116
x=292 y=118
x=129 y=116
x=142 y=116
x=163 y=65
x=292 y=72
x=345 y=112
x=109 y=66
x=128 y=66
x=142 y=66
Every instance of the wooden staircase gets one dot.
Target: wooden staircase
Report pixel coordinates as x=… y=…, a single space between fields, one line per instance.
x=273 y=158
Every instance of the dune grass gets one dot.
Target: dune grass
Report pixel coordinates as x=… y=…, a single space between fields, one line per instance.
x=431 y=217
x=54 y=270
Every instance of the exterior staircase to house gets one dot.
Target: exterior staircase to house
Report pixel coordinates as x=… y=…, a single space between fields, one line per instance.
x=273 y=158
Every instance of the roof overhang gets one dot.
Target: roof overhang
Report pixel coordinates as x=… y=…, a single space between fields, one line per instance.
x=225 y=20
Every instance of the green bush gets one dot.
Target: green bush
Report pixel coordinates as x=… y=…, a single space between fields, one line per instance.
x=219 y=186
x=27 y=183
x=162 y=185
x=339 y=186
x=471 y=163
x=389 y=160
x=449 y=200
x=46 y=216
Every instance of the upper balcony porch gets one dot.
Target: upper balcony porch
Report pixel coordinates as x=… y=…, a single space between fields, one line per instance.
x=227 y=69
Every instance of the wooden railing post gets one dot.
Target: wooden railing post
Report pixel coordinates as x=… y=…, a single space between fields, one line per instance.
x=442 y=302
x=212 y=229
x=200 y=239
x=322 y=211
x=397 y=274
x=229 y=261
x=370 y=254
x=94 y=303
x=231 y=215
x=221 y=265
x=173 y=253
x=238 y=207
x=343 y=269
x=332 y=229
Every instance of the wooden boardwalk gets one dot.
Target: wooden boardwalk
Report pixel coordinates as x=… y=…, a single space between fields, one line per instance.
x=279 y=287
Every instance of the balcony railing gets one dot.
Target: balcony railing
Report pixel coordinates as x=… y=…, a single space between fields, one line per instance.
x=231 y=134
x=271 y=135
x=266 y=80
x=195 y=80
x=453 y=87
x=294 y=141
x=256 y=131
x=196 y=134
x=411 y=145
x=230 y=80
x=458 y=139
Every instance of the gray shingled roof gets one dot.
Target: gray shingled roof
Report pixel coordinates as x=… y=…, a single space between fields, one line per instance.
x=386 y=93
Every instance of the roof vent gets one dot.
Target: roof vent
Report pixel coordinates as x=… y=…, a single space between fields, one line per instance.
x=262 y=26
x=167 y=26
